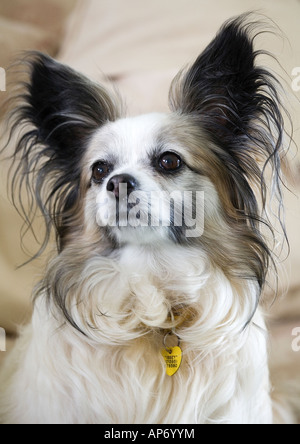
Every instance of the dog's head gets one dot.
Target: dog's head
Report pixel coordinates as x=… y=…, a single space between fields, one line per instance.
x=194 y=176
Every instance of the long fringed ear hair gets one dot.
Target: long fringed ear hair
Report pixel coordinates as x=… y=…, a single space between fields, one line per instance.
x=237 y=104
x=59 y=110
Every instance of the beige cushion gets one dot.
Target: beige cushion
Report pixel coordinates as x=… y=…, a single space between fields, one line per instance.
x=49 y=15
x=17 y=36
x=31 y=24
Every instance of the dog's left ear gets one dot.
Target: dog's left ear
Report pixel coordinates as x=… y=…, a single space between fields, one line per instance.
x=224 y=87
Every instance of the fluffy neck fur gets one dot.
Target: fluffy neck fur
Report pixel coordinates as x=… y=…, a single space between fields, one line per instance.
x=115 y=372
x=132 y=292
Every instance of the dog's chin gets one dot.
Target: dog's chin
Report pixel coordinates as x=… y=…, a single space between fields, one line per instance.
x=139 y=236
x=143 y=236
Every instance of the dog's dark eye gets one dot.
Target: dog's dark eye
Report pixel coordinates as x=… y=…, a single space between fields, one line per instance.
x=100 y=171
x=170 y=162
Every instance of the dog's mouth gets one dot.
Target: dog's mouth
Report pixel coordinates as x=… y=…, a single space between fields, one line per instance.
x=130 y=214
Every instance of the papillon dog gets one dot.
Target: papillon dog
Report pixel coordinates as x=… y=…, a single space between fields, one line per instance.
x=150 y=309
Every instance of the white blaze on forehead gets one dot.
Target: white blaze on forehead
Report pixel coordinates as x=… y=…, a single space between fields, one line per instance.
x=126 y=140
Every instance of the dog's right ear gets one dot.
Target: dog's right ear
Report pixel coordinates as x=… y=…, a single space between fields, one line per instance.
x=63 y=105
x=63 y=109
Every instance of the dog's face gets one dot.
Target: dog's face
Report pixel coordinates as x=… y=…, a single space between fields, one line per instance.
x=144 y=186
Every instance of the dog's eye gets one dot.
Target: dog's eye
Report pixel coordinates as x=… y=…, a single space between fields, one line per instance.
x=100 y=171
x=170 y=162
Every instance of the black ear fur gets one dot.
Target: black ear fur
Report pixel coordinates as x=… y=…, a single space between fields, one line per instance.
x=64 y=105
x=224 y=86
x=63 y=109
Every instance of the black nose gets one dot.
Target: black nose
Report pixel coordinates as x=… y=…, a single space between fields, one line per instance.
x=114 y=184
